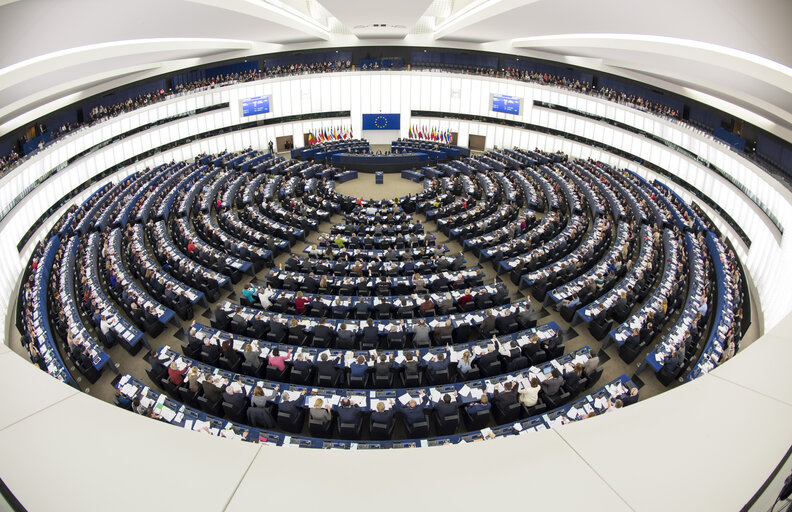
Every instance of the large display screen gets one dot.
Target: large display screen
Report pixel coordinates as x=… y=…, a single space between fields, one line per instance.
x=381 y=121
x=255 y=106
x=506 y=104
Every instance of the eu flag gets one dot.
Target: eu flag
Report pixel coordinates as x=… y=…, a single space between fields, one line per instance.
x=381 y=121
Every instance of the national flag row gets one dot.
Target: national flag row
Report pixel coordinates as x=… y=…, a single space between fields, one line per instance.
x=329 y=134
x=430 y=133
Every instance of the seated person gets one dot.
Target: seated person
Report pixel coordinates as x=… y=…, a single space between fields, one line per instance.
x=320 y=412
x=529 y=395
x=358 y=367
x=421 y=333
x=339 y=309
x=438 y=363
x=507 y=397
x=488 y=356
x=300 y=303
x=265 y=297
x=427 y=306
x=552 y=386
x=383 y=367
x=465 y=363
x=572 y=379
x=447 y=407
x=410 y=364
x=252 y=356
x=413 y=412
x=631 y=398
x=235 y=396
x=348 y=412
x=590 y=366
x=370 y=333
x=466 y=298
x=261 y=396
x=213 y=387
x=291 y=404
x=383 y=415
x=229 y=353
x=346 y=338
x=482 y=404
x=249 y=293
x=327 y=367
x=175 y=375
x=277 y=360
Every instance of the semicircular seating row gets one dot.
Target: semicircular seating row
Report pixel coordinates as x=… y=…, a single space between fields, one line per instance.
x=378 y=310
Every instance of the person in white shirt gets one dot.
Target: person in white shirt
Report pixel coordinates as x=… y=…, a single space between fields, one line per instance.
x=264 y=297
x=614 y=405
x=104 y=325
x=529 y=395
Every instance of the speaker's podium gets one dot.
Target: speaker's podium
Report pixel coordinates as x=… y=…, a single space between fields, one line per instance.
x=379 y=177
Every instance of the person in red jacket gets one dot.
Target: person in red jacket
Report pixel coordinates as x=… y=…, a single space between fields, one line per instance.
x=175 y=375
x=467 y=297
x=300 y=303
x=190 y=247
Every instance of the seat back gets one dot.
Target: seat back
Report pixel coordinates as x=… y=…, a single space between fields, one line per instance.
x=517 y=363
x=319 y=428
x=477 y=420
x=493 y=368
x=593 y=378
x=380 y=431
x=188 y=397
x=349 y=430
x=447 y=425
x=439 y=377
x=290 y=422
x=209 y=407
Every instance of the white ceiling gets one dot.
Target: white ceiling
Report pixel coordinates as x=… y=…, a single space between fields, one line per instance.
x=733 y=54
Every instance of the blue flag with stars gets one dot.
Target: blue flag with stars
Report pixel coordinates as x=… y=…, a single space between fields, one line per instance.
x=381 y=121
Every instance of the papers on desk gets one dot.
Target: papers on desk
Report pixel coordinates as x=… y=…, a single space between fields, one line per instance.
x=129 y=390
x=428 y=357
x=200 y=425
x=572 y=413
x=557 y=422
x=615 y=389
x=464 y=390
x=435 y=395
x=405 y=399
x=579 y=359
x=517 y=426
x=168 y=414
x=359 y=400
x=600 y=403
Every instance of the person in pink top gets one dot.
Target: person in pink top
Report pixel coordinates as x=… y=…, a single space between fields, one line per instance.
x=277 y=360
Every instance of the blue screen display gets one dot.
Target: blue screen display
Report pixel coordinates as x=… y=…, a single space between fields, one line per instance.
x=381 y=121
x=255 y=106
x=506 y=104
